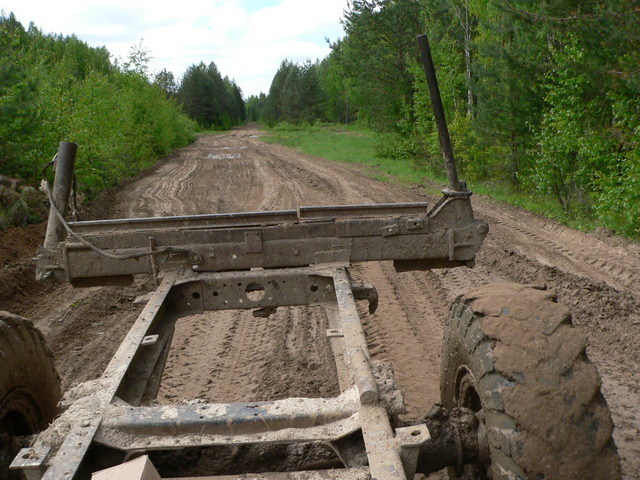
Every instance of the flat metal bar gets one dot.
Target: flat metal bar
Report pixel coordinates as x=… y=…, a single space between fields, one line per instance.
x=355 y=473
x=312 y=242
x=206 y=255
x=148 y=358
x=246 y=219
x=66 y=461
x=222 y=220
x=383 y=451
x=231 y=290
x=345 y=380
x=362 y=211
x=354 y=338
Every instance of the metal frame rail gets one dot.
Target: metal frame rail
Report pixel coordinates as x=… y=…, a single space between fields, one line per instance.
x=114 y=415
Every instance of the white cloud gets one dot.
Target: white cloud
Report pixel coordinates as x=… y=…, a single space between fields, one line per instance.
x=245 y=39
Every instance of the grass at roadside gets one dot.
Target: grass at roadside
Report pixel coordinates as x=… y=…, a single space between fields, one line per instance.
x=357 y=145
x=345 y=143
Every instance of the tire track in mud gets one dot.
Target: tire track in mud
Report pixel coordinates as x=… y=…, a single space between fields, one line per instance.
x=301 y=364
x=589 y=257
x=406 y=331
x=161 y=198
x=238 y=348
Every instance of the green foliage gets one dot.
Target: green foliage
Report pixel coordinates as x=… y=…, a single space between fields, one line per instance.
x=166 y=80
x=542 y=98
x=255 y=107
x=212 y=101
x=337 y=87
x=55 y=88
x=379 y=43
x=20 y=206
x=295 y=95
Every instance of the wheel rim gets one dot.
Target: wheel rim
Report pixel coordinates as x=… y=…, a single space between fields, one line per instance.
x=21 y=404
x=466 y=392
x=466 y=395
x=19 y=415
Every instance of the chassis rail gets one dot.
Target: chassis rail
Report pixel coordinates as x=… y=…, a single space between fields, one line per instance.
x=114 y=414
x=445 y=236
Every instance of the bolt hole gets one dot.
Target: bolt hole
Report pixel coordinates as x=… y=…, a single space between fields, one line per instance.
x=195 y=295
x=314 y=288
x=215 y=294
x=415 y=433
x=254 y=291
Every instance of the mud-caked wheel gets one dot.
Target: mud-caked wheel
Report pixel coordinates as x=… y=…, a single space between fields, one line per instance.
x=512 y=356
x=29 y=385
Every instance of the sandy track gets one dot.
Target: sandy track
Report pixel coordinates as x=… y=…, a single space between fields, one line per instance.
x=230 y=356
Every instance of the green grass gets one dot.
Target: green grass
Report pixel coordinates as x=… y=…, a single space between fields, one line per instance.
x=354 y=144
x=335 y=142
x=345 y=143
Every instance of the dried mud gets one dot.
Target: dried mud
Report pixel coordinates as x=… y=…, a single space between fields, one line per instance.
x=232 y=356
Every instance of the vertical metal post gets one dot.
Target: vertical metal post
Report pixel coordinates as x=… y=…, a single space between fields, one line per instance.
x=65 y=166
x=438 y=112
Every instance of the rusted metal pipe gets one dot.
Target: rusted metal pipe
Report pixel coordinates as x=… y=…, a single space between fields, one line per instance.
x=438 y=112
x=65 y=166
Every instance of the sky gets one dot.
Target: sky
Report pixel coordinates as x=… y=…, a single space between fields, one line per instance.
x=247 y=39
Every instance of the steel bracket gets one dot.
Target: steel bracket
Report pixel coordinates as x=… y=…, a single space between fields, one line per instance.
x=410 y=439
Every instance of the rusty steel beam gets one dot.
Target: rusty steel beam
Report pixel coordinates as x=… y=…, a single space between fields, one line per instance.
x=383 y=451
x=438 y=113
x=444 y=237
x=84 y=417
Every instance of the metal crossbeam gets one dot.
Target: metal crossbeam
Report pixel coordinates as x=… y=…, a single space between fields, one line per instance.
x=446 y=236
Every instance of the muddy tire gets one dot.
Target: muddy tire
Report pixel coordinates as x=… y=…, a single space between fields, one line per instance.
x=512 y=355
x=29 y=385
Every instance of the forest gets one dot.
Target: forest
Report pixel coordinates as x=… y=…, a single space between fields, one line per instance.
x=55 y=87
x=542 y=98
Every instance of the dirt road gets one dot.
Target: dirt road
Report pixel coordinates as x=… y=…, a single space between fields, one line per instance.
x=237 y=357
